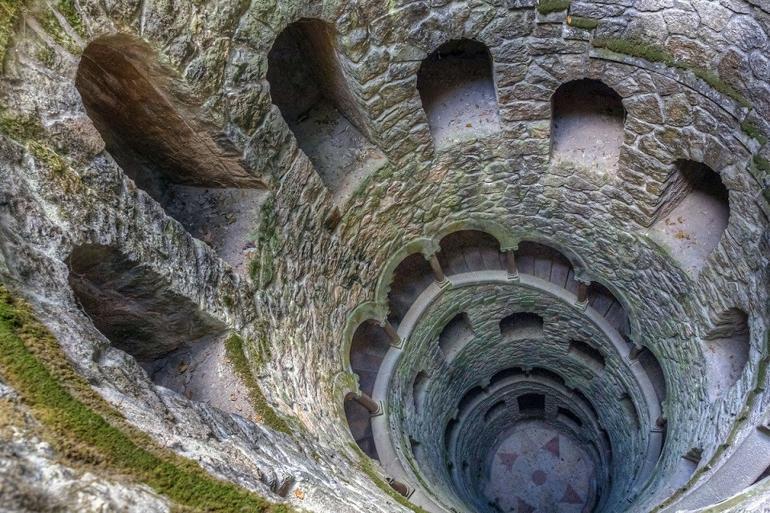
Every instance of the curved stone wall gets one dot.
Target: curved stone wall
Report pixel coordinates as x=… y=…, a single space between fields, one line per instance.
x=696 y=90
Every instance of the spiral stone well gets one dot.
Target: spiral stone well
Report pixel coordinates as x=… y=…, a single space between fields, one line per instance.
x=355 y=256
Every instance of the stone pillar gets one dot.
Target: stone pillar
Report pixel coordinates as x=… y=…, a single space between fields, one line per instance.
x=438 y=272
x=582 y=293
x=373 y=407
x=510 y=264
x=390 y=330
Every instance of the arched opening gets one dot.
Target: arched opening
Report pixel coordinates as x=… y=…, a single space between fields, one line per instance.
x=548 y=375
x=410 y=279
x=505 y=374
x=726 y=350
x=589 y=355
x=695 y=210
x=546 y=263
x=367 y=350
x=654 y=371
x=455 y=335
x=309 y=88
x=419 y=389
x=521 y=325
x=604 y=301
x=469 y=397
x=495 y=410
x=178 y=346
x=470 y=250
x=565 y=413
x=360 y=425
x=587 y=119
x=155 y=133
x=457 y=89
x=531 y=404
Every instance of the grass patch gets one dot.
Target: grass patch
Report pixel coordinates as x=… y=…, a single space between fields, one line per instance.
x=548 y=6
x=68 y=9
x=84 y=428
x=754 y=132
x=656 y=53
x=367 y=467
x=582 y=23
x=234 y=346
x=9 y=15
x=267 y=242
x=53 y=28
x=762 y=164
x=20 y=128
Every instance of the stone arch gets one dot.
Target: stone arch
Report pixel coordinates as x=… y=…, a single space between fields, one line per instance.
x=309 y=87
x=136 y=309
x=369 y=345
x=613 y=306
x=547 y=263
x=359 y=423
x=580 y=267
x=458 y=93
x=587 y=124
x=504 y=236
x=726 y=349
x=455 y=335
x=362 y=313
x=469 y=250
x=424 y=246
x=693 y=214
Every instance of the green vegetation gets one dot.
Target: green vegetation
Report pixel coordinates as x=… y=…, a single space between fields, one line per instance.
x=367 y=467
x=86 y=431
x=654 y=53
x=582 y=23
x=549 y=6
x=20 y=128
x=267 y=242
x=754 y=132
x=762 y=164
x=268 y=416
x=9 y=15
x=68 y=9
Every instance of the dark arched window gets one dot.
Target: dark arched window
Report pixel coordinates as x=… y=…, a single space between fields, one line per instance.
x=587 y=119
x=309 y=88
x=156 y=137
x=457 y=90
x=470 y=250
x=136 y=310
x=727 y=347
x=695 y=210
x=367 y=350
x=360 y=424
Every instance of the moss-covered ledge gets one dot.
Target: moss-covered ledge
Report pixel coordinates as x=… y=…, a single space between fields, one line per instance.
x=86 y=432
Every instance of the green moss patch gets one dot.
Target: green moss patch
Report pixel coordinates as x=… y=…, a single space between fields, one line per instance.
x=367 y=467
x=582 y=23
x=654 y=53
x=234 y=346
x=548 y=6
x=261 y=265
x=87 y=431
x=69 y=11
x=20 y=128
x=9 y=15
x=754 y=132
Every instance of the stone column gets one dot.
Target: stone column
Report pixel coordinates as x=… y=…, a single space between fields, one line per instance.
x=373 y=407
x=510 y=264
x=582 y=294
x=390 y=330
x=438 y=272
